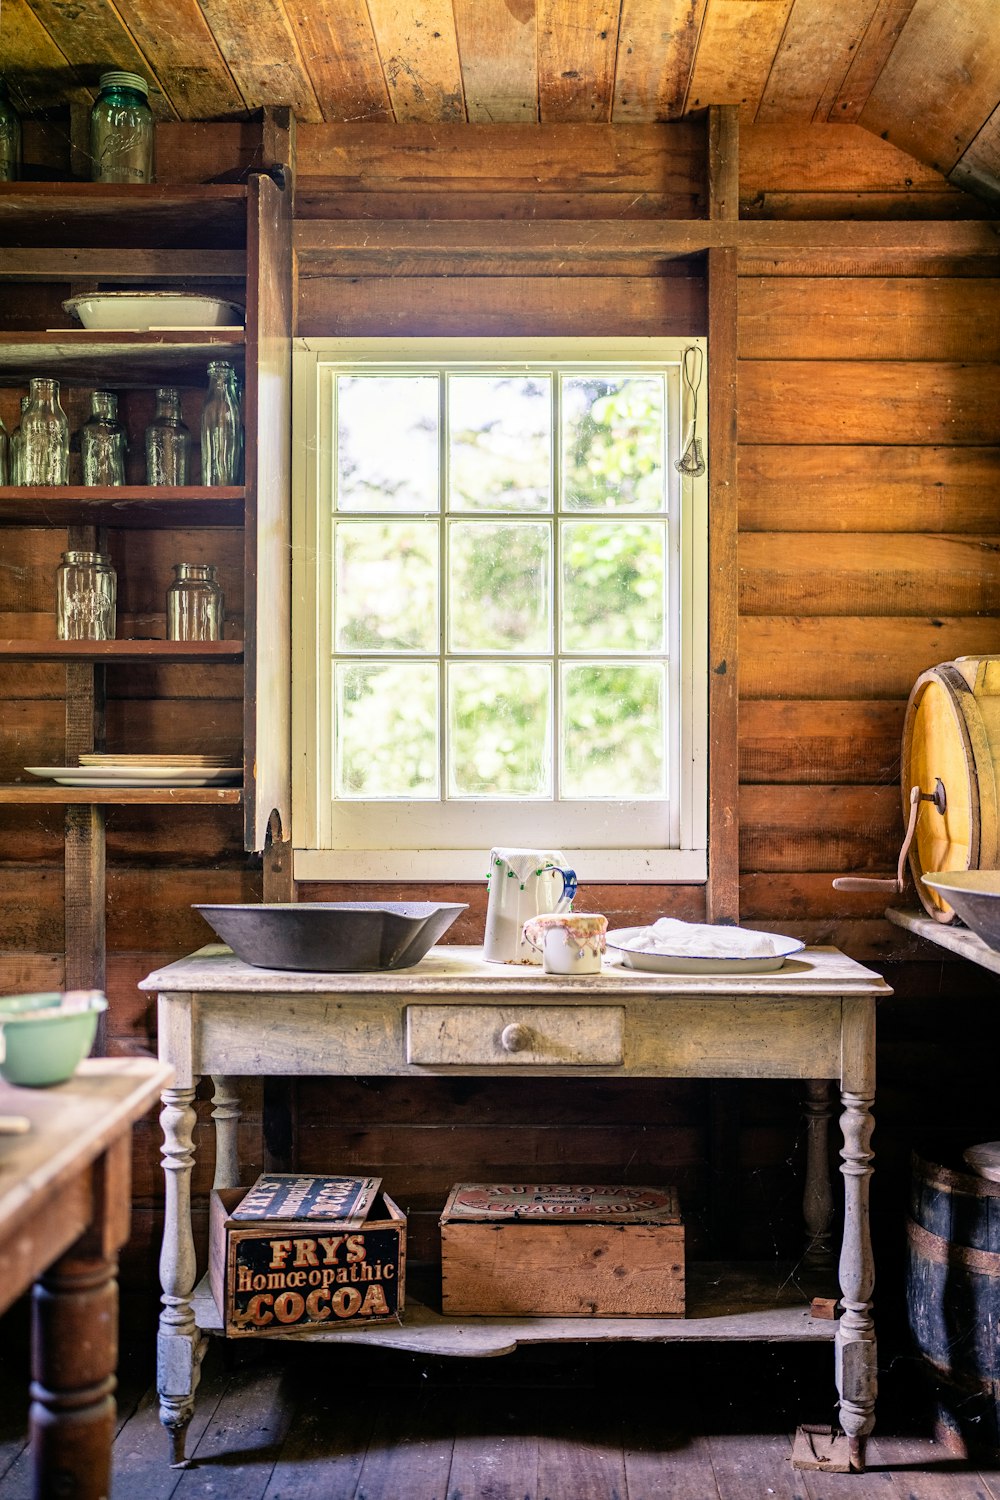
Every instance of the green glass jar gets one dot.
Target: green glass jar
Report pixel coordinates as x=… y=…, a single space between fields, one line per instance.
x=121 y=130
x=10 y=138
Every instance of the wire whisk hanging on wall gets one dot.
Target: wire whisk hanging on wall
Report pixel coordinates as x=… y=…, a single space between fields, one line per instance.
x=692 y=459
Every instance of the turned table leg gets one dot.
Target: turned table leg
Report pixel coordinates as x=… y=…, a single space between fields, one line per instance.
x=817 y=1197
x=179 y=1344
x=74 y=1352
x=856 y=1365
x=226 y=1113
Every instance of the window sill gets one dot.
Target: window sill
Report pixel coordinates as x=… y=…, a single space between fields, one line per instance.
x=667 y=866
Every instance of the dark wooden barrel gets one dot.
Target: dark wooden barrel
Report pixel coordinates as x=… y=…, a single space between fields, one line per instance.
x=953 y=1301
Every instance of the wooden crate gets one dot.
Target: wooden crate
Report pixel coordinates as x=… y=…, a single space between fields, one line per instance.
x=570 y=1251
x=285 y=1276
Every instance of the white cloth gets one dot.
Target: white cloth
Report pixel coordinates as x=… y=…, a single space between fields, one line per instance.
x=700 y=940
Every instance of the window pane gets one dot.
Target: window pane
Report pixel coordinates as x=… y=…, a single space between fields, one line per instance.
x=498 y=729
x=499 y=433
x=613 y=442
x=613 y=731
x=498 y=574
x=614 y=585
x=387 y=442
x=386 y=593
x=386 y=730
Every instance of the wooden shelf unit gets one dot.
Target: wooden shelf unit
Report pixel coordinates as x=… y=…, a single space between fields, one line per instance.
x=60 y=238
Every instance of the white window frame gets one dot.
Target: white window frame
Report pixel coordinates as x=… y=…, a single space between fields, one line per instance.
x=681 y=856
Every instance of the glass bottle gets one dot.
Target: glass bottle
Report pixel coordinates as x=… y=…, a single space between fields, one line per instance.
x=102 y=441
x=10 y=138
x=194 y=604
x=86 y=590
x=44 y=451
x=221 y=431
x=121 y=130
x=4 y=454
x=168 y=440
x=17 y=445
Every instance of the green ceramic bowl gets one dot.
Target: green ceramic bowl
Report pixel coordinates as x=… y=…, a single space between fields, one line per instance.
x=44 y=1049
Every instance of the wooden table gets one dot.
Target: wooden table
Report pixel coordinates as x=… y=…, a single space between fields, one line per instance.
x=454 y=1014
x=65 y=1207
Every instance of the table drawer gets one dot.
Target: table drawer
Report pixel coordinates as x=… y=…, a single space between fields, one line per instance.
x=515 y=1035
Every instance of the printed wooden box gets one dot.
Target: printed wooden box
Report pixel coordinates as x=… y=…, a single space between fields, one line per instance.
x=570 y=1251
x=281 y=1276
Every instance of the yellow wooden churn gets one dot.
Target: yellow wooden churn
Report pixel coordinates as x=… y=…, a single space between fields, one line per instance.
x=950 y=770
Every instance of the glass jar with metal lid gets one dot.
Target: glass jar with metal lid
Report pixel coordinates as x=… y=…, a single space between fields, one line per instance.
x=121 y=130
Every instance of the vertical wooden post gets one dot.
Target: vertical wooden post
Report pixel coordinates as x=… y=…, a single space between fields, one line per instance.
x=280 y=1097
x=724 y=161
x=84 y=860
x=722 y=897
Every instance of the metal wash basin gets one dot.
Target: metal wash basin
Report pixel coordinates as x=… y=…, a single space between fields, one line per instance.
x=332 y=936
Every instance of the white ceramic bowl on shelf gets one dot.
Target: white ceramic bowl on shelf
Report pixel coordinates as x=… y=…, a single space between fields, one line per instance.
x=145 y=310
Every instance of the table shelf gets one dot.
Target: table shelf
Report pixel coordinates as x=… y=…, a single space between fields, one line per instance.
x=727 y=1301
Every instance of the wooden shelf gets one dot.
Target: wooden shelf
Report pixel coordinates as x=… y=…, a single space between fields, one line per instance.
x=155 y=213
x=950 y=935
x=112 y=651
x=726 y=1302
x=120 y=359
x=133 y=506
x=20 y=795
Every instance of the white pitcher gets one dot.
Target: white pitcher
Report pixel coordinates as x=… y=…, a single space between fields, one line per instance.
x=523 y=883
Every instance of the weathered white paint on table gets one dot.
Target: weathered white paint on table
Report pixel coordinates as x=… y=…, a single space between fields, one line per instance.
x=455 y=1014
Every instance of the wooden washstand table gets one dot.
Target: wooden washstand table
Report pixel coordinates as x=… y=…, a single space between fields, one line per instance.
x=65 y=1206
x=454 y=1014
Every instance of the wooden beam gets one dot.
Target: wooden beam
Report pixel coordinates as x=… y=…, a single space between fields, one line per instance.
x=722 y=896
x=327 y=245
x=724 y=162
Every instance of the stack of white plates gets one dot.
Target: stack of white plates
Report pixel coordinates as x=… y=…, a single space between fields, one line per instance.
x=98 y=769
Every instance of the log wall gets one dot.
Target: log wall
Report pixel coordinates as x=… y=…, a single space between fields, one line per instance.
x=868 y=457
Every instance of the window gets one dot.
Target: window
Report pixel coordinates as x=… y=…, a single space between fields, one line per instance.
x=499 y=628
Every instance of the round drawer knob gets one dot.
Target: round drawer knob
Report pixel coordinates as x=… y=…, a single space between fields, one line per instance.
x=515 y=1038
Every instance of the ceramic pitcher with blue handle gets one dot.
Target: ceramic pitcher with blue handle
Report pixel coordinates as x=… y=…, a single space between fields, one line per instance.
x=523 y=883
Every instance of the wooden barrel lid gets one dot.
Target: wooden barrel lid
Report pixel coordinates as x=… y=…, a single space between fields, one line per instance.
x=951 y=747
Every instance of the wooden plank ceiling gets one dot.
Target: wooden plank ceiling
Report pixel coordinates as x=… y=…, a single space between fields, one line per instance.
x=923 y=74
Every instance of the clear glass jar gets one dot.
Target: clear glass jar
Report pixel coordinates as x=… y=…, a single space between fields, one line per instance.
x=221 y=429
x=44 y=443
x=86 y=592
x=17 y=445
x=121 y=130
x=168 y=440
x=102 y=441
x=10 y=139
x=194 y=604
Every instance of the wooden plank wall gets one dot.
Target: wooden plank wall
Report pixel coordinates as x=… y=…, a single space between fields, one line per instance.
x=866 y=469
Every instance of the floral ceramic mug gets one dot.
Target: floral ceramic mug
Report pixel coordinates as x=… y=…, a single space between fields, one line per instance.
x=570 y=942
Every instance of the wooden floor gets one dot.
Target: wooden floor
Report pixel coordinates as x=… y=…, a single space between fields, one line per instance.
x=553 y=1423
